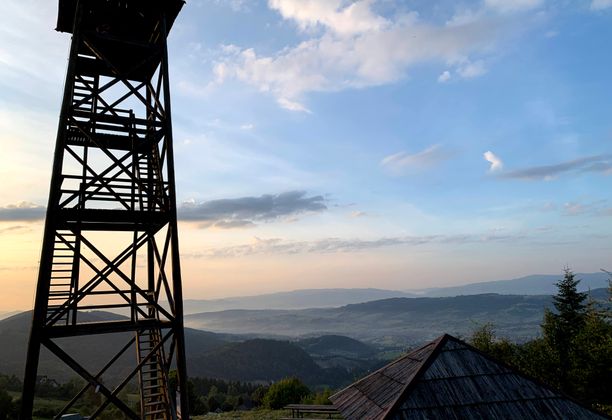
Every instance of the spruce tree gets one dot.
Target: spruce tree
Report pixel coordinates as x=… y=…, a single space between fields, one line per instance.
x=569 y=303
x=561 y=327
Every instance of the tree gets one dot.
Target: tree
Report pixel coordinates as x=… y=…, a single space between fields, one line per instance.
x=319 y=398
x=7 y=406
x=286 y=391
x=570 y=303
x=561 y=328
x=485 y=340
x=575 y=352
x=258 y=395
x=591 y=372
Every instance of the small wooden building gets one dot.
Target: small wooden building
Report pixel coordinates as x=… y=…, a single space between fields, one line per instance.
x=449 y=379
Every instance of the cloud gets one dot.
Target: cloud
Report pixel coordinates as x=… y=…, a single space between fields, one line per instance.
x=338 y=245
x=401 y=163
x=22 y=211
x=353 y=18
x=245 y=211
x=597 y=163
x=574 y=209
x=444 y=77
x=248 y=126
x=495 y=161
x=472 y=70
x=512 y=6
x=607 y=212
x=601 y=4
x=12 y=229
x=348 y=45
x=292 y=105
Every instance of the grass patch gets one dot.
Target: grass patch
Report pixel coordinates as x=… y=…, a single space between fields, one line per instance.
x=246 y=415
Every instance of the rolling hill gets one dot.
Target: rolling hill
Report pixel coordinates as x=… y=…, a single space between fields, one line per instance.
x=263 y=361
x=221 y=356
x=91 y=351
x=336 y=345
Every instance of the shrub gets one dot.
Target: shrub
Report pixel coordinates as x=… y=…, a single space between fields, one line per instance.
x=286 y=391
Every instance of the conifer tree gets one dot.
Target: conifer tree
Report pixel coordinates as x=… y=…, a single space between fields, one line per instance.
x=561 y=328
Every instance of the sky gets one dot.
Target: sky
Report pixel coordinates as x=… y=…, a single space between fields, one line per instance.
x=334 y=143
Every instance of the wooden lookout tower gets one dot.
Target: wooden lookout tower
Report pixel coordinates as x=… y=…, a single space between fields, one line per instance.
x=110 y=240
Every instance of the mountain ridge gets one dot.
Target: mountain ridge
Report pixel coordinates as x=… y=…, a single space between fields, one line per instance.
x=395 y=321
x=535 y=284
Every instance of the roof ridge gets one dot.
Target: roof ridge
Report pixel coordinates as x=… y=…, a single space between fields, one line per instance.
x=399 y=359
x=438 y=343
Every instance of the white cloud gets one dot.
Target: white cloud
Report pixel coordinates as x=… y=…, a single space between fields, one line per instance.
x=292 y=105
x=248 y=126
x=471 y=70
x=601 y=4
x=356 y=17
x=350 y=46
x=495 y=161
x=511 y=6
x=444 y=77
x=403 y=162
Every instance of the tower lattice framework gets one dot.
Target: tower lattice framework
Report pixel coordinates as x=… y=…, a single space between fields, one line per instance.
x=110 y=240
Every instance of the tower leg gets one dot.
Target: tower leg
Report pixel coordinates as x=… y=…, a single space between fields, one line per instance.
x=29 y=378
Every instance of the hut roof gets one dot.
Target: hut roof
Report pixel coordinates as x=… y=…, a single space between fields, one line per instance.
x=448 y=378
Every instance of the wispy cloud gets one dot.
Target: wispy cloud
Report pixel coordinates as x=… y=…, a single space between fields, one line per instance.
x=472 y=70
x=574 y=209
x=512 y=6
x=403 y=162
x=598 y=208
x=246 y=211
x=597 y=163
x=601 y=4
x=338 y=245
x=13 y=229
x=349 y=45
x=494 y=160
x=22 y=211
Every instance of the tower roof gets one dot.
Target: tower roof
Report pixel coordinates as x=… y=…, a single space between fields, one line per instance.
x=137 y=16
x=448 y=378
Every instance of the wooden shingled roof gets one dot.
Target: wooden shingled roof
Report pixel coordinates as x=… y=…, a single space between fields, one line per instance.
x=449 y=379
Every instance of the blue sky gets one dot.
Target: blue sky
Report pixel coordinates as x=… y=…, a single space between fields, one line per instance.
x=370 y=143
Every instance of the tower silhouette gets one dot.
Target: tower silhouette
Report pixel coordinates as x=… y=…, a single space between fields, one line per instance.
x=110 y=239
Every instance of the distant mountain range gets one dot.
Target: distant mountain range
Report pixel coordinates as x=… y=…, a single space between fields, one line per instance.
x=297 y=299
x=539 y=284
x=394 y=321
